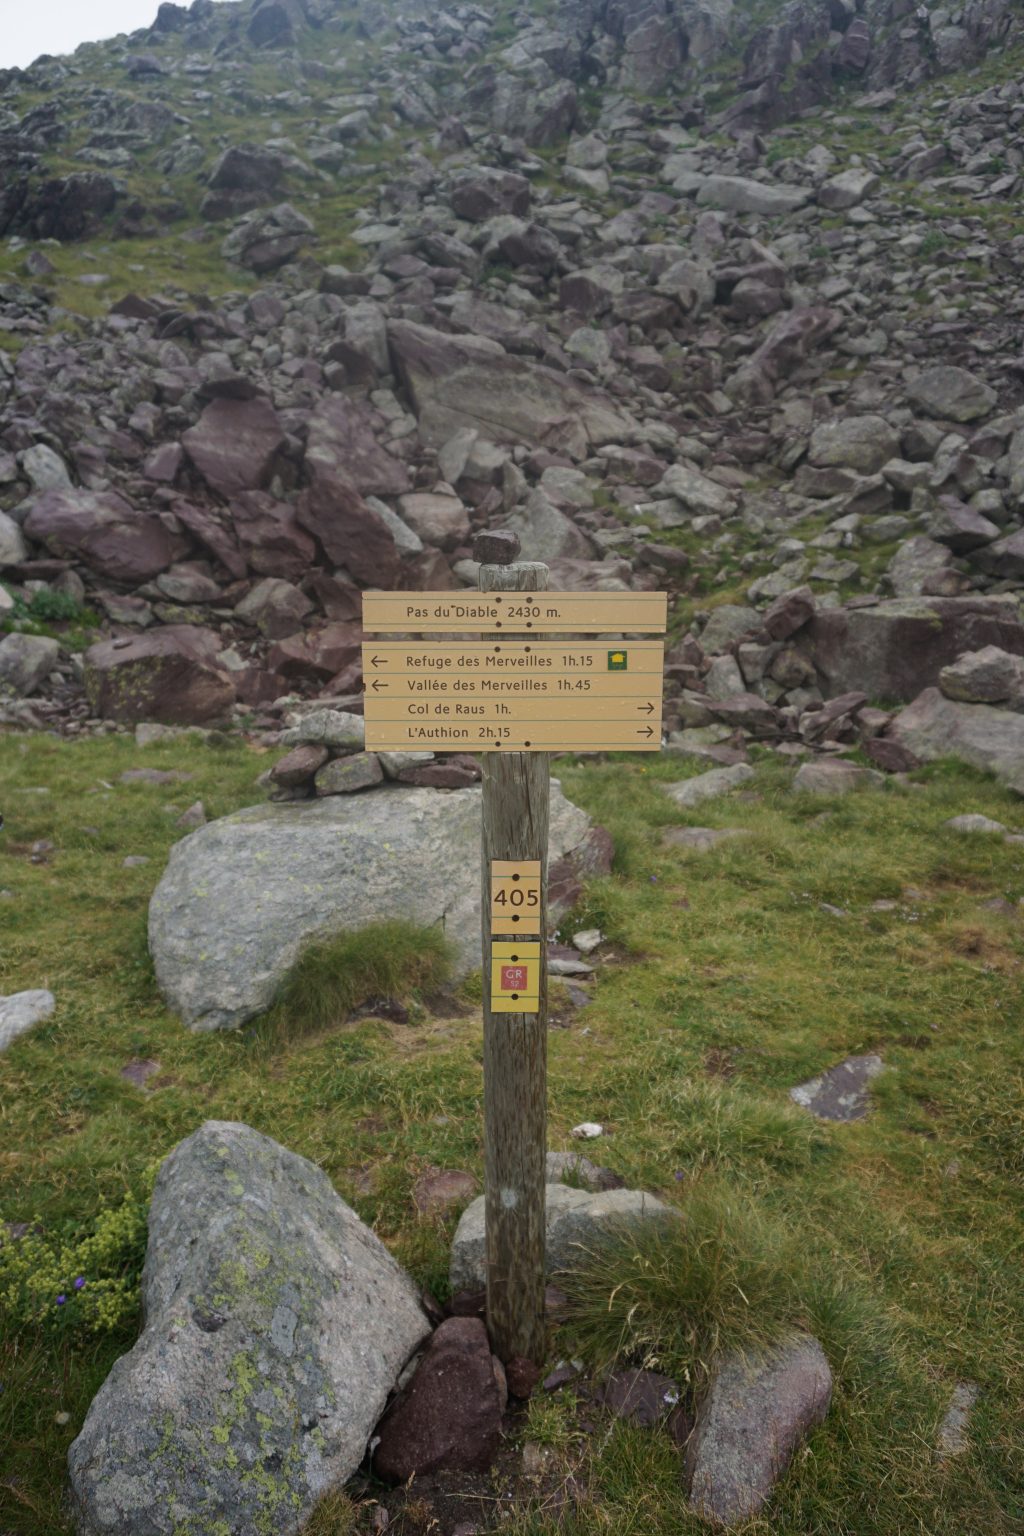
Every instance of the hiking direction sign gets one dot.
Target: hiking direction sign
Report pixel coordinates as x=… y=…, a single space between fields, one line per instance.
x=516 y=695
x=481 y=674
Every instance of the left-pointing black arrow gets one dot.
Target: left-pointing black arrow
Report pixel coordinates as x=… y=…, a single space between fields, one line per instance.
x=377 y=685
x=377 y=661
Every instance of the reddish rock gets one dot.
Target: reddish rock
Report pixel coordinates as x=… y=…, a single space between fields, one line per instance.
x=789 y=613
x=567 y=875
x=164 y=463
x=336 y=646
x=642 y=1396
x=277 y=608
x=234 y=444
x=341 y=431
x=293 y=660
x=440 y=1190
x=449 y=1416
x=299 y=766
x=102 y=530
x=255 y=686
x=522 y=1377
x=896 y=649
x=344 y=460
x=427 y=572
x=439 y=776
x=168 y=675
x=270 y=536
x=208 y=528
x=891 y=756
x=339 y=599
x=482 y=193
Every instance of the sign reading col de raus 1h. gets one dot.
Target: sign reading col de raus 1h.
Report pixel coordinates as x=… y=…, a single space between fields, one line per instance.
x=501 y=691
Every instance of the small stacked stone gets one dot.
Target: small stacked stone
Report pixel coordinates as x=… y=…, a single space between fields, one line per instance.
x=328 y=756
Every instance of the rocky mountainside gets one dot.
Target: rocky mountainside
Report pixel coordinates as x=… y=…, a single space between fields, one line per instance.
x=296 y=295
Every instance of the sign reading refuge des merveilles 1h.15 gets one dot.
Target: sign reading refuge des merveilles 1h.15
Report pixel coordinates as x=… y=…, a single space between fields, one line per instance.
x=517 y=695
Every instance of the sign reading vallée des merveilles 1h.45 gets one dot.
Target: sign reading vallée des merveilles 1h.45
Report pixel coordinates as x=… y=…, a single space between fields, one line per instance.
x=514 y=695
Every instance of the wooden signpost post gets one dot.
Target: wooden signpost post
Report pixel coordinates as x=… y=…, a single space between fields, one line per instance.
x=514 y=699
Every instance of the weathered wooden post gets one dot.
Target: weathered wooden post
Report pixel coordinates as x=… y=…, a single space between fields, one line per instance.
x=516 y=804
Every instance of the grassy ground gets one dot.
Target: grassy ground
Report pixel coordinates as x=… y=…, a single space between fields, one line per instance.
x=898 y=1239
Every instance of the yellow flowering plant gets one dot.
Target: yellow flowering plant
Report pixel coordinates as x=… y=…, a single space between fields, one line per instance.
x=87 y=1279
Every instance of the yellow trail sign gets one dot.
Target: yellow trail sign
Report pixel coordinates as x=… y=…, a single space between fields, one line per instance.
x=643 y=707
x=511 y=668
x=503 y=735
x=519 y=613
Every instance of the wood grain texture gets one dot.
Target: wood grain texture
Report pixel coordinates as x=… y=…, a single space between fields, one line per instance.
x=516 y=808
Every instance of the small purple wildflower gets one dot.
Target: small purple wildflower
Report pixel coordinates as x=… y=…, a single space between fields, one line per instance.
x=79 y=1282
x=61 y=1300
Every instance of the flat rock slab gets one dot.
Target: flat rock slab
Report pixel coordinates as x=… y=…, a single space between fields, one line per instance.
x=242 y=895
x=973 y=823
x=699 y=839
x=708 y=786
x=21 y=1012
x=575 y=1221
x=276 y=1324
x=644 y=1397
x=834 y=776
x=439 y=1190
x=754 y=1416
x=952 y=1437
x=841 y=1093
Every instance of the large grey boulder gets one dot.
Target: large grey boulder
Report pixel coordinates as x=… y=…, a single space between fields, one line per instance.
x=979 y=734
x=13 y=548
x=988 y=676
x=471 y=381
x=863 y=443
x=242 y=895
x=738 y=194
x=575 y=1220
x=754 y=1416
x=276 y=1324
x=26 y=661
x=952 y=394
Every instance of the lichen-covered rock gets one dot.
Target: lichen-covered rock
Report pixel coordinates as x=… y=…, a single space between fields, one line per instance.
x=241 y=896
x=276 y=1324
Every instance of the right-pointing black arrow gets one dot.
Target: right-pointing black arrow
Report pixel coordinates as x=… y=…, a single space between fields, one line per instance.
x=645 y=709
x=647 y=731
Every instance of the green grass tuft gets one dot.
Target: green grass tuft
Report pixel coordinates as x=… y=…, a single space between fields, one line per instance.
x=335 y=975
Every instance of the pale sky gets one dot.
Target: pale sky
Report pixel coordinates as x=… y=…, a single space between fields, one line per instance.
x=31 y=27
